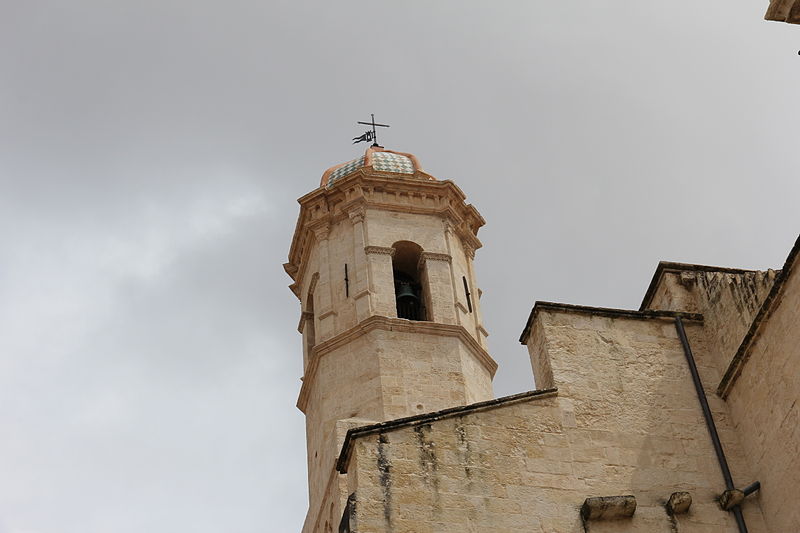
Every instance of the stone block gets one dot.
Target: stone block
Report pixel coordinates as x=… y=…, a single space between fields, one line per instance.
x=608 y=507
x=679 y=503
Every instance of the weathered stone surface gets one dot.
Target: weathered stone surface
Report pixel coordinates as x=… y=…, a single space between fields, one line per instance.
x=608 y=507
x=730 y=499
x=360 y=360
x=621 y=415
x=679 y=503
x=626 y=420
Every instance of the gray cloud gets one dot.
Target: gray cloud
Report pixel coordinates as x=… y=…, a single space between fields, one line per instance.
x=150 y=158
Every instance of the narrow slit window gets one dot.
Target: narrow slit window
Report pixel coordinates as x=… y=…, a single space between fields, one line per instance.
x=467 y=293
x=346 y=283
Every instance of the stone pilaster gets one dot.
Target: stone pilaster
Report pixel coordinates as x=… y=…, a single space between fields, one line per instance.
x=381 y=280
x=441 y=300
x=323 y=297
x=359 y=277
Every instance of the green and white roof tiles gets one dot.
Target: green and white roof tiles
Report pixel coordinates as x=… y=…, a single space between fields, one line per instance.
x=383 y=161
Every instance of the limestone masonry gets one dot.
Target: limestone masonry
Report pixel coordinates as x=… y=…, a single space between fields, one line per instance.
x=681 y=416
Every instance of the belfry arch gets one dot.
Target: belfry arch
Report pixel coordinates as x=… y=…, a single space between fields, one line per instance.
x=410 y=297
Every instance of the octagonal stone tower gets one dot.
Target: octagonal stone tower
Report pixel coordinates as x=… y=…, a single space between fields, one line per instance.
x=382 y=263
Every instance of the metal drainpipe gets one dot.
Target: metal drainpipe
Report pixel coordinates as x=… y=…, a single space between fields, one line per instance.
x=712 y=428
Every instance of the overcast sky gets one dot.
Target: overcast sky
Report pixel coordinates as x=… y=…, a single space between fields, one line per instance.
x=151 y=154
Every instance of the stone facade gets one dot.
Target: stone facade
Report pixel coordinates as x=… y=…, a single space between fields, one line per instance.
x=623 y=420
x=643 y=421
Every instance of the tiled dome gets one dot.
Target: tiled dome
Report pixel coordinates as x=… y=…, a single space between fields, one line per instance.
x=376 y=157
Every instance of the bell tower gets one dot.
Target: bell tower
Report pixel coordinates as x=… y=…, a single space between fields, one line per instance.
x=382 y=263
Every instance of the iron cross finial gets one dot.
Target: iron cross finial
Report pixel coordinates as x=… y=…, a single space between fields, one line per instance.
x=369 y=135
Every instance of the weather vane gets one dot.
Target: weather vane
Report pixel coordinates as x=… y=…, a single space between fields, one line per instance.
x=369 y=135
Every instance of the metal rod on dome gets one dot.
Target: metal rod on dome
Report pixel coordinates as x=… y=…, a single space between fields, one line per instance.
x=374 y=132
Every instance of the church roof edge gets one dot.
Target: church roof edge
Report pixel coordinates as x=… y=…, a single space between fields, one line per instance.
x=600 y=311
x=671 y=266
x=770 y=304
x=344 y=456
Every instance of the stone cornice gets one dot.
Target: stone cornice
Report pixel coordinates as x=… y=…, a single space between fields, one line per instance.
x=393 y=324
x=368 y=189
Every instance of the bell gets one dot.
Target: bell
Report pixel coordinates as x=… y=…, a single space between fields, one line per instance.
x=406 y=292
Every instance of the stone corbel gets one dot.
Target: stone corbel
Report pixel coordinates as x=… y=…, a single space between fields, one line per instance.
x=608 y=508
x=679 y=503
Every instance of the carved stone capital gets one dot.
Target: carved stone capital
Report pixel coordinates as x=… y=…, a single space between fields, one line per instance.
x=424 y=257
x=357 y=215
x=321 y=232
x=379 y=250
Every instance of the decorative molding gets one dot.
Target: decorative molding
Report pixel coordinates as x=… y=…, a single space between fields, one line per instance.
x=378 y=191
x=321 y=232
x=389 y=324
x=326 y=313
x=380 y=250
x=361 y=294
x=357 y=214
x=424 y=257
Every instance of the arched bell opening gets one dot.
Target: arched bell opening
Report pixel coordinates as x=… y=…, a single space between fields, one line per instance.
x=408 y=292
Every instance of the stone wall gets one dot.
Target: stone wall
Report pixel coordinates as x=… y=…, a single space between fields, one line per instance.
x=728 y=299
x=625 y=420
x=764 y=406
